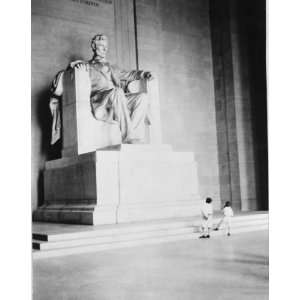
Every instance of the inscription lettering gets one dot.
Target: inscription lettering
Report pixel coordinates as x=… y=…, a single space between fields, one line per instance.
x=92 y=3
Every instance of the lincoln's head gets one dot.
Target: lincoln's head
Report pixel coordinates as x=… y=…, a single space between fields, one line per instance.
x=99 y=45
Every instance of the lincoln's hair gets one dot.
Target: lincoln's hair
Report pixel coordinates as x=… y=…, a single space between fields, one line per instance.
x=96 y=38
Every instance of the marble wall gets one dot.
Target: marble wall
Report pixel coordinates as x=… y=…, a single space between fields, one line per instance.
x=225 y=103
x=173 y=39
x=238 y=47
x=249 y=33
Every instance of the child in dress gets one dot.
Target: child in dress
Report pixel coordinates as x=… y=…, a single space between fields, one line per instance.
x=227 y=215
x=206 y=214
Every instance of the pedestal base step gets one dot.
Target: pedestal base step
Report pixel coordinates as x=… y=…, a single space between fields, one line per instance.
x=127 y=184
x=52 y=240
x=98 y=215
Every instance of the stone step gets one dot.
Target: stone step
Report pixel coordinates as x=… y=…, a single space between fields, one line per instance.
x=237 y=221
x=127 y=236
x=125 y=244
x=108 y=230
x=113 y=238
x=104 y=230
x=105 y=237
x=109 y=246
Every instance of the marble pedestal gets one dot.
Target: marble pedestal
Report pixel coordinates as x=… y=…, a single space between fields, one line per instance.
x=120 y=184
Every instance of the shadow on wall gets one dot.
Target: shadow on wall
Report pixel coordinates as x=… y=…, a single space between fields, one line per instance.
x=40 y=188
x=47 y=152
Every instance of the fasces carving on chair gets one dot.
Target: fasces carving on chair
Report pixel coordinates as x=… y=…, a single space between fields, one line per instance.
x=111 y=95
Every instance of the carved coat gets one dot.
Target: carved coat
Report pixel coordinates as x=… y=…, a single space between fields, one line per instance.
x=104 y=79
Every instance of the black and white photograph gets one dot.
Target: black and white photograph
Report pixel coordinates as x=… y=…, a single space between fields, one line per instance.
x=158 y=144
x=149 y=143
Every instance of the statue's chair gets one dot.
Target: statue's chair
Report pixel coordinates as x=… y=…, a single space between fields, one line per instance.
x=81 y=132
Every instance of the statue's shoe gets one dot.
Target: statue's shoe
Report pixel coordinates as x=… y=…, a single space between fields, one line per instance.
x=133 y=141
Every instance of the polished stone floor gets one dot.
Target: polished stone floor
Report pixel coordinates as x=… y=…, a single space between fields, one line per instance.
x=220 y=268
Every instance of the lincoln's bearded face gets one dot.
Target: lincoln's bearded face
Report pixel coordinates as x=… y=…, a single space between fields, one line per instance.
x=100 y=46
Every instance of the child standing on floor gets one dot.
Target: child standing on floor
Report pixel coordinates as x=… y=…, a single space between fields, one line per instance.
x=227 y=215
x=207 y=215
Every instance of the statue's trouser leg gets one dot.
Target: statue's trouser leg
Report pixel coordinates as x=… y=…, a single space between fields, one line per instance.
x=138 y=107
x=118 y=102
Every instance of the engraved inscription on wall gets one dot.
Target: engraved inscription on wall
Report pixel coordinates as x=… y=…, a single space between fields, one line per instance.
x=92 y=3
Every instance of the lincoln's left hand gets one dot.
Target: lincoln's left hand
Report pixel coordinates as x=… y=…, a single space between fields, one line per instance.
x=148 y=75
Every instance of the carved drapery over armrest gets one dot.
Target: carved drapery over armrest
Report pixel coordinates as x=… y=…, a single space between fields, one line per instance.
x=54 y=105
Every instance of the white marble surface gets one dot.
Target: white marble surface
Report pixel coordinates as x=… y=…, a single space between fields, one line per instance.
x=223 y=268
x=147 y=184
x=134 y=183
